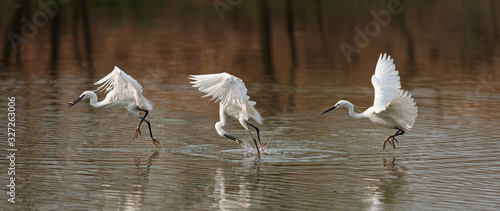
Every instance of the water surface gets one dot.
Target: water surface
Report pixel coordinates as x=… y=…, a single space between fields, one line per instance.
x=85 y=158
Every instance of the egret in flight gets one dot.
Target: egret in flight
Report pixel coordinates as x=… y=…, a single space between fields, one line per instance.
x=392 y=107
x=123 y=91
x=231 y=94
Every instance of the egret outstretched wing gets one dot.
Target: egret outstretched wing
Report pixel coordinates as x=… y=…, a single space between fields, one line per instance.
x=392 y=106
x=223 y=87
x=385 y=81
x=121 y=86
x=402 y=109
x=231 y=94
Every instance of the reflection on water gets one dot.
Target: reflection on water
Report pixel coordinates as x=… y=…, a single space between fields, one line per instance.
x=229 y=196
x=288 y=54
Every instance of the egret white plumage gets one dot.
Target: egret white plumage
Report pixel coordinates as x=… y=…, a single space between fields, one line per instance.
x=123 y=91
x=392 y=107
x=231 y=94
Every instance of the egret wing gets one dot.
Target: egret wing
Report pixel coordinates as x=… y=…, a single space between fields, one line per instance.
x=385 y=81
x=121 y=86
x=401 y=109
x=223 y=87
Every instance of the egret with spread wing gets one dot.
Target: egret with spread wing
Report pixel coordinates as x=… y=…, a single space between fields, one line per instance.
x=231 y=94
x=123 y=91
x=392 y=107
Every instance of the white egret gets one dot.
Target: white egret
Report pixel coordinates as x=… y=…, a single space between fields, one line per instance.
x=231 y=94
x=123 y=91
x=392 y=106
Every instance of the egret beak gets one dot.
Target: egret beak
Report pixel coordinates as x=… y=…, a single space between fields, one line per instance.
x=329 y=109
x=71 y=104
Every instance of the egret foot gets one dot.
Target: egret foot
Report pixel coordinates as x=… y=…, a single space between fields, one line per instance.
x=156 y=142
x=393 y=142
x=137 y=132
x=239 y=142
x=385 y=142
x=261 y=146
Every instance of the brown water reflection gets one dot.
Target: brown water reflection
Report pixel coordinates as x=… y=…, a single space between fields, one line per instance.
x=288 y=54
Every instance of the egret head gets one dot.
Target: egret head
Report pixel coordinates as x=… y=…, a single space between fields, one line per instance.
x=341 y=103
x=84 y=95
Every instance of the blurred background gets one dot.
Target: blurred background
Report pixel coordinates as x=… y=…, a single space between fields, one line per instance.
x=266 y=37
x=297 y=59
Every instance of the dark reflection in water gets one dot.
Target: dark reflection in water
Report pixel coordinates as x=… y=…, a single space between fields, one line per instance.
x=289 y=55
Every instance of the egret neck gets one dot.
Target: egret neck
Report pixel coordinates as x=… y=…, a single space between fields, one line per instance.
x=93 y=99
x=353 y=114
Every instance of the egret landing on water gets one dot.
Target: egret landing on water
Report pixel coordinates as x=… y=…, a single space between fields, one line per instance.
x=231 y=94
x=123 y=92
x=392 y=106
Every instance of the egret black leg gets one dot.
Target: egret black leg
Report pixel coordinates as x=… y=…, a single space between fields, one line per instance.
x=233 y=138
x=138 y=130
x=256 y=129
x=144 y=117
x=254 y=141
x=258 y=135
x=239 y=142
x=155 y=142
x=399 y=132
x=388 y=139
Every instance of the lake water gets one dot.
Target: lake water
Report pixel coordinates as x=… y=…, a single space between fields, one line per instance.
x=289 y=55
